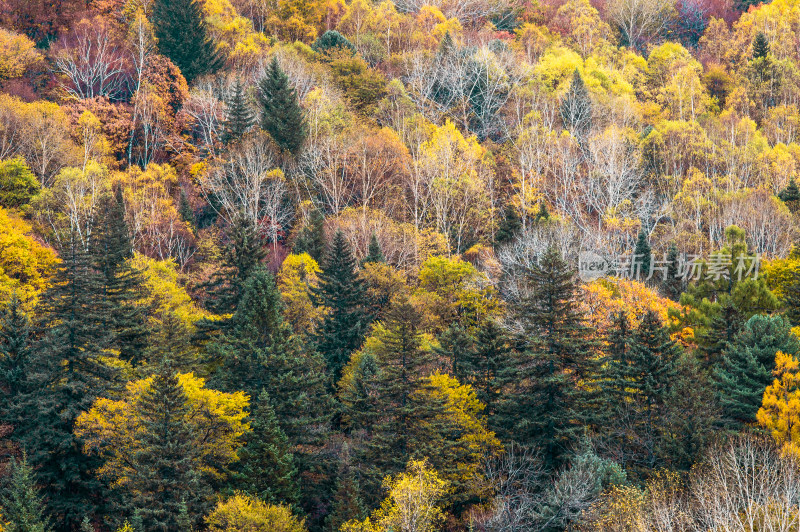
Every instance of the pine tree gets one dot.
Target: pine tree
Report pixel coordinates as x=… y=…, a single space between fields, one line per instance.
x=746 y=367
x=671 y=284
x=546 y=407
x=618 y=369
x=455 y=346
x=791 y=298
x=184 y=38
x=266 y=467
x=15 y=333
x=341 y=291
x=186 y=211
x=720 y=332
x=760 y=46
x=374 y=253
x=576 y=109
x=112 y=250
x=170 y=340
x=311 y=239
x=484 y=363
x=21 y=506
x=643 y=255
x=281 y=114
x=347 y=503
x=402 y=362
x=69 y=374
x=510 y=225
x=164 y=480
x=332 y=40
x=239 y=117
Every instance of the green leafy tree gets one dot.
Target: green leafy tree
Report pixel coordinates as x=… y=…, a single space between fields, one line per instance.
x=347 y=319
x=746 y=367
x=238 y=117
x=281 y=114
x=17 y=183
x=21 y=505
x=183 y=37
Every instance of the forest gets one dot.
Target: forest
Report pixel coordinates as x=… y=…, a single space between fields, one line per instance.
x=399 y=265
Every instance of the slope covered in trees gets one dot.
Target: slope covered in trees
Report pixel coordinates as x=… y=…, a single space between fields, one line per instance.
x=399 y=265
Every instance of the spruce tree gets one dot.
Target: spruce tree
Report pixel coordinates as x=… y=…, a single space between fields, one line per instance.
x=791 y=298
x=643 y=255
x=576 y=108
x=238 y=117
x=341 y=291
x=671 y=284
x=21 y=505
x=186 y=211
x=509 y=226
x=347 y=503
x=170 y=340
x=311 y=239
x=184 y=38
x=281 y=114
x=746 y=367
x=374 y=253
x=483 y=365
x=760 y=46
x=617 y=370
x=15 y=355
x=69 y=374
x=716 y=338
x=791 y=196
x=121 y=284
x=455 y=346
x=266 y=467
x=164 y=480
x=546 y=407
x=332 y=40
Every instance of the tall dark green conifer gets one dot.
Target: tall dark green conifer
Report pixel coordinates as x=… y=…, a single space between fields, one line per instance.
x=21 y=506
x=547 y=406
x=69 y=375
x=671 y=284
x=483 y=365
x=164 y=481
x=746 y=367
x=760 y=46
x=347 y=503
x=266 y=464
x=341 y=291
x=184 y=38
x=643 y=255
x=716 y=338
x=455 y=346
x=15 y=364
x=238 y=117
x=374 y=253
x=281 y=114
x=311 y=239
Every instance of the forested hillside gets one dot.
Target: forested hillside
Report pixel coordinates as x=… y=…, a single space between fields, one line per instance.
x=399 y=265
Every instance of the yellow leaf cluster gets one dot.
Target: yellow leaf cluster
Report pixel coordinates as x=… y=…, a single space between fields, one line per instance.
x=243 y=513
x=780 y=407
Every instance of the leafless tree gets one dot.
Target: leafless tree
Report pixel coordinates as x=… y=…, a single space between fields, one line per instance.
x=641 y=20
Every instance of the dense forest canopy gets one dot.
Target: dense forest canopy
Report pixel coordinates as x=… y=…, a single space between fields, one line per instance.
x=399 y=265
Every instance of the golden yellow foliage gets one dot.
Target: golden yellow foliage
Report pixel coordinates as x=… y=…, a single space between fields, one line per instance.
x=298 y=274
x=112 y=428
x=26 y=266
x=242 y=513
x=780 y=407
x=17 y=54
x=604 y=298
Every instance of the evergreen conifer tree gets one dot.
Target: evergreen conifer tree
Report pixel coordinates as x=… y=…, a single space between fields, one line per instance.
x=716 y=338
x=69 y=374
x=21 y=506
x=671 y=284
x=510 y=224
x=186 y=211
x=618 y=369
x=164 y=481
x=239 y=117
x=281 y=114
x=184 y=38
x=311 y=239
x=746 y=367
x=576 y=108
x=643 y=255
x=347 y=503
x=15 y=364
x=545 y=408
x=374 y=253
x=455 y=346
x=266 y=467
x=760 y=46
x=341 y=291
x=332 y=40
x=484 y=363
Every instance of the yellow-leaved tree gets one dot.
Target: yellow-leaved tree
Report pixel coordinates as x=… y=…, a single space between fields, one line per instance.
x=298 y=274
x=243 y=513
x=780 y=407
x=116 y=429
x=412 y=504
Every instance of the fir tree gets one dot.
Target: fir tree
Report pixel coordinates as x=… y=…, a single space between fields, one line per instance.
x=15 y=332
x=164 y=480
x=746 y=367
x=186 y=211
x=341 y=291
x=671 y=284
x=374 y=253
x=484 y=363
x=112 y=250
x=347 y=503
x=510 y=225
x=618 y=369
x=21 y=506
x=544 y=407
x=184 y=38
x=643 y=255
x=760 y=46
x=332 y=40
x=281 y=114
x=576 y=109
x=69 y=374
x=238 y=117
x=170 y=340
x=791 y=298
x=311 y=239
x=455 y=346
x=716 y=338
x=266 y=467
